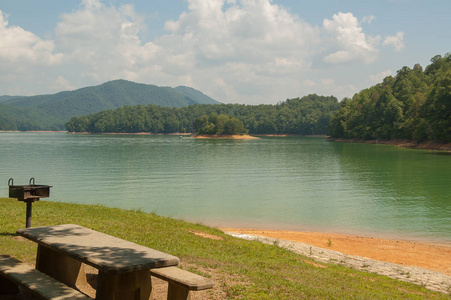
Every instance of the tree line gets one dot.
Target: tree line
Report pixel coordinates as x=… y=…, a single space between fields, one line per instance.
x=414 y=105
x=307 y=115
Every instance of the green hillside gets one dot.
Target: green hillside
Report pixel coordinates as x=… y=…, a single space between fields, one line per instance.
x=7 y=98
x=22 y=119
x=413 y=105
x=55 y=110
x=195 y=94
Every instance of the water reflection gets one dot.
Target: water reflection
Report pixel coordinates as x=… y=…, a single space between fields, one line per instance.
x=407 y=189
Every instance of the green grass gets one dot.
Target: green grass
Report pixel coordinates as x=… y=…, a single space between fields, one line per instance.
x=241 y=269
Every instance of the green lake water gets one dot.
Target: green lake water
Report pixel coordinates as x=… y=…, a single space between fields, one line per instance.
x=296 y=183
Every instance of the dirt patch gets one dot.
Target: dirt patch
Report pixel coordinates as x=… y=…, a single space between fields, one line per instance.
x=206 y=235
x=315 y=264
x=427 y=256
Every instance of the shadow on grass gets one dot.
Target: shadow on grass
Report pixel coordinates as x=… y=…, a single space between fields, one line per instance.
x=7 y=234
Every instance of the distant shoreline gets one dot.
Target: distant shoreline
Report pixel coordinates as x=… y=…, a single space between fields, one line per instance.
x=429 y=145
x=399 y=143
x=291 y=135
x=129 y=133
x=44 y=131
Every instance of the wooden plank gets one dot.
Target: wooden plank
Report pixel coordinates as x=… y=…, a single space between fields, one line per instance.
x=37 y=282
x=187 y=280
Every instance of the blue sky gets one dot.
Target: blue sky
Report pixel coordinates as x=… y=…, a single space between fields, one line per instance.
x=236 y=51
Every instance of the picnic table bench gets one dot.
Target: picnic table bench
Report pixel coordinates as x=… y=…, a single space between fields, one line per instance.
x=181 y=282
x=14 y=273
x=123 y=266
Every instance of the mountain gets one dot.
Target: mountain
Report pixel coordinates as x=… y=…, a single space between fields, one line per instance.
x=6 y=98
x=195 y=94
x=65 y=105
x=19 y=118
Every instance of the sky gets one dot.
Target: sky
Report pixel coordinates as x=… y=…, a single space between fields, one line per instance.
x=235 y=51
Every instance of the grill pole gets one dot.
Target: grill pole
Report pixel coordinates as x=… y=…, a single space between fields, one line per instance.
x=28 y=215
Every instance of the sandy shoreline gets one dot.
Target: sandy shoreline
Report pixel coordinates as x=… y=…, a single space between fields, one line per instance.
x=408 y=253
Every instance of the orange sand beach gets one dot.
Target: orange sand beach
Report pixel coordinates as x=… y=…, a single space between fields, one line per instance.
x=434 y=257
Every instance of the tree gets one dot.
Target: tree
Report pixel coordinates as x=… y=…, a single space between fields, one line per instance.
x=306 y=115
x=438 y=112
x=234 y=126
x=218 y=124
x=413 y=105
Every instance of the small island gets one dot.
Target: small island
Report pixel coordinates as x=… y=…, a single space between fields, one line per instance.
x=225 y=136
x=220 y=127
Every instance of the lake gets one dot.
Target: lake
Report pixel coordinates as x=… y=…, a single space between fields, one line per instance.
x=291 y=183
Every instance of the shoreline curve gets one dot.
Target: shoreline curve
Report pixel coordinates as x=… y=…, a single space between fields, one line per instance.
x=430 y=256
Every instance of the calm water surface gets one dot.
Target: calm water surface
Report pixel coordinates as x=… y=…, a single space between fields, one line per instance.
x=280 y=183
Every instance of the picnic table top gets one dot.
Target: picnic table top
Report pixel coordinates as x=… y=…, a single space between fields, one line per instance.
x=102 y=251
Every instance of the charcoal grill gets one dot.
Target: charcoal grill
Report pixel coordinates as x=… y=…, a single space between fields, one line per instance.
x=28 y=194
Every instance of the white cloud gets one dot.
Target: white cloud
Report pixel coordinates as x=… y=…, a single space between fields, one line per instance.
x=61 y=83
x=327 y=81
x=347 y=41
x=397 y=41
x=368 y=19
x=20 y=47
x=253 y=42
x=104 y=39
x=309 y=83
x=254 y=31
x=347 y=90
x=378 y=78
x=245 y=51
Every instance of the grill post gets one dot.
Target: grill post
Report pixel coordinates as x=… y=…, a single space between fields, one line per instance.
x=28 y=213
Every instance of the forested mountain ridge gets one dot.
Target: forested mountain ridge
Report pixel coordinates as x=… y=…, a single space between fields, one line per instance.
x=195 y=94
x=413 y=105
x=308 y=115
x=33 y=112
x=22 y=119
x=7 y=98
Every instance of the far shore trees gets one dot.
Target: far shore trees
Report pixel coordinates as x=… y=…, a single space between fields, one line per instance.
x=303 y=116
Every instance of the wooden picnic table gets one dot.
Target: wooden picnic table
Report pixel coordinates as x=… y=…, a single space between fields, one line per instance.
x=124 y=267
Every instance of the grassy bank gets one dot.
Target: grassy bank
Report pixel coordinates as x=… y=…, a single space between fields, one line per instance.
x=241 y=269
